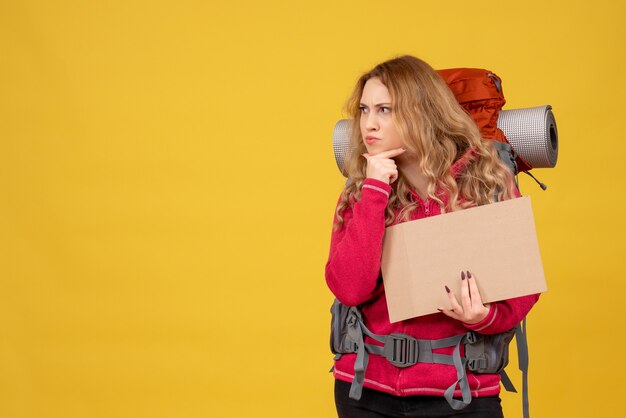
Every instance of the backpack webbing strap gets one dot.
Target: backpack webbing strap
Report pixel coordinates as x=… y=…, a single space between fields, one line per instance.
x=506 y=382
x=407 y=354
x=522 y=354
x=360 y=363
x=422 y=350
x=507 y=155
x=426 y=355
x=461 y=374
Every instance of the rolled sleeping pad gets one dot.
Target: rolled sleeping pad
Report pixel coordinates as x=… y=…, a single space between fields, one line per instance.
x=531 y=132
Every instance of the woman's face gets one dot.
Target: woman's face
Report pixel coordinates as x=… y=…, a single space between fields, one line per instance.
x=378 y=128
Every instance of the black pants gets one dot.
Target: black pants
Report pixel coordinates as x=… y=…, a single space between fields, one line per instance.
x=376 y=404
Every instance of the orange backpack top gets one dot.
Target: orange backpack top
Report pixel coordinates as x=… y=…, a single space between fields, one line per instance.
x=480 y=92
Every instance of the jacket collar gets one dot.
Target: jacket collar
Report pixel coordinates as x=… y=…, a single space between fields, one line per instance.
x=457 y=168
x=460 y=165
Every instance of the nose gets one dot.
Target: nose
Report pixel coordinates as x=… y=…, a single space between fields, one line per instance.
x=371 y=121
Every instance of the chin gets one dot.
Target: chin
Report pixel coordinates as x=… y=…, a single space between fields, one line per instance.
x=374 y=151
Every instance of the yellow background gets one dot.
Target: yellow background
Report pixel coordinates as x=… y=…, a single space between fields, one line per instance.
x=167 y=185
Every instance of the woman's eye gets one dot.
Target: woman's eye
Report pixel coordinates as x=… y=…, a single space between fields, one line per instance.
x=363 y=109
x=385 y=109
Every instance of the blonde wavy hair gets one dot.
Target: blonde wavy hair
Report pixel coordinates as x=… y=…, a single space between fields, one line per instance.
x=435 y=128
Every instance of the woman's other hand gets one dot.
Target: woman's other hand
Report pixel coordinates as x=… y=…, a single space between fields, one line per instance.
x=382 y=166
x=471 y=310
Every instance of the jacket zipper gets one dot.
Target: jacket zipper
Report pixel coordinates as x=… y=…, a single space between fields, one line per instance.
x=425 y=204
x=426 y=207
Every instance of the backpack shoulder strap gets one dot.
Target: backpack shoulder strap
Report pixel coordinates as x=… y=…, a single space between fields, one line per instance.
x=522 y=355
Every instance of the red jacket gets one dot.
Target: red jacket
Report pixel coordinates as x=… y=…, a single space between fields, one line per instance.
x=353 y=275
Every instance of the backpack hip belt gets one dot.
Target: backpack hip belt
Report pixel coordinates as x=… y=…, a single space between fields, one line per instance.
x=483 y=354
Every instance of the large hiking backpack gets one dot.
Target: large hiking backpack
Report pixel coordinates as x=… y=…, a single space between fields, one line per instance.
x=480 y=92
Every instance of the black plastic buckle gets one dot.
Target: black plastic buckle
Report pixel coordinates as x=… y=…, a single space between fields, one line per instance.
x=401 y=350
x=471 y=337
x=350 y=346
x=476 y=364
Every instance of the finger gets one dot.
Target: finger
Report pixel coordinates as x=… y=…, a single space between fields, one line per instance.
x=391 y=153
x=473 y=290
x=465 y=294
x=366 y=156
x=453 y=302
x=450 y=313
x=383 y=163
x=391 y=169
x=387 y=165
x=393 y=177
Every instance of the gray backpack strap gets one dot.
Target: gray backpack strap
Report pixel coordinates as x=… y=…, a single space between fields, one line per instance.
x=360 y=364
x=403 y=351
x=355 y=334
x=506 y=154
x=522 y=353
x=461 y=374
x=366 y=331
x=506 y=382
x=425 y=354
x=447 y=342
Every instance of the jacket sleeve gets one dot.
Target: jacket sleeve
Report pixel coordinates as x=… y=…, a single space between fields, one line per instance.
x=504 y=315
x=353 y=265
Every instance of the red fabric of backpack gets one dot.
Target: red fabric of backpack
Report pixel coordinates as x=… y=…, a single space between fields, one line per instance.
x=480 y=92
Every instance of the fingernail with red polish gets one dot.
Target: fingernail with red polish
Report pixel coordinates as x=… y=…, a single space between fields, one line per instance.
x=469 y=275
x=462 y=275
x=447 y=289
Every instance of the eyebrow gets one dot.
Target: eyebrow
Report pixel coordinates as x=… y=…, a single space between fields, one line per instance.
x=376 y=105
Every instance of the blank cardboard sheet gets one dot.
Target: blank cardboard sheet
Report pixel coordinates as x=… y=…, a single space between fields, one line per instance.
x=497 y=243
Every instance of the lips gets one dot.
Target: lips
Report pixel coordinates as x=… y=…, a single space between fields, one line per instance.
x=371 y=139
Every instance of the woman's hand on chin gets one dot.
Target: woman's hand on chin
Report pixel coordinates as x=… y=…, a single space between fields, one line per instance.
x=382 y=166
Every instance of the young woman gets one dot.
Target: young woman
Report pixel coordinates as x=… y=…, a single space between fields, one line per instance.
x=417 y=153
